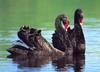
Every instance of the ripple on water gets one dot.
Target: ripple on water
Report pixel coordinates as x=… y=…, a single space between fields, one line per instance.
x=92 y=61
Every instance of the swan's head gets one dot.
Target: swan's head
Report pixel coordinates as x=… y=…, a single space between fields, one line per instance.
x=61 y=22
x=78 y=17
x=65 y=22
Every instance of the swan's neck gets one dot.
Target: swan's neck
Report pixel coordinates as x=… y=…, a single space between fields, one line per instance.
x=78 y=20
x=66 y=26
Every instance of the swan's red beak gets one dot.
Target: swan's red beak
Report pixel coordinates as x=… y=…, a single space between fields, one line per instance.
x=66 y=25
x=81 y=21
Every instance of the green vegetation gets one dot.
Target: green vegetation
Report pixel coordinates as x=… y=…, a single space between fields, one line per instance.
x=42 y=13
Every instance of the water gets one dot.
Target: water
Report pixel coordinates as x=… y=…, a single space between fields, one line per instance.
x=92 y=55
x=41 y=15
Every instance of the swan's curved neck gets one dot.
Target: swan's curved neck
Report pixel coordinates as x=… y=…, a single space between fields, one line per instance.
x=76 y=20
x=59 y=21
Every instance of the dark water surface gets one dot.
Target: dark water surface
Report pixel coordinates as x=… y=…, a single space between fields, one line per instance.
x=41 y=14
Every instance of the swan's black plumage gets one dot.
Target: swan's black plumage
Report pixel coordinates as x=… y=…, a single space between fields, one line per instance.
x=72 y=37
x=60 y=36
x=78 y=34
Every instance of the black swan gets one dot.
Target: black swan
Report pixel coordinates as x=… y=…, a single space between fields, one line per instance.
x=35 y=43
x=73 y=37
x=61 y=33
x=77 y=33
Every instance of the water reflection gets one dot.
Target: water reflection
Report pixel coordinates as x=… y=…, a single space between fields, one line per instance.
x=29 y=60
x=79 y=62
x=63 y=64
x=76 y=63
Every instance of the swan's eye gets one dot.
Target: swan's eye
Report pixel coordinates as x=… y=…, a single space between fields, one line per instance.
x=64 y=20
